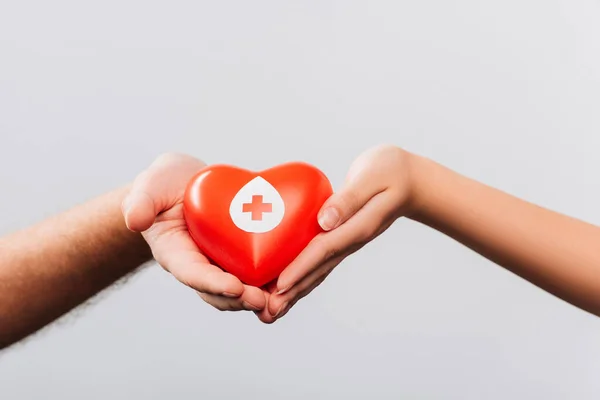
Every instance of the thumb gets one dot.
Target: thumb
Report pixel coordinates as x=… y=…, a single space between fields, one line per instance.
x=139 y=211
x=158 y=188
x=342 y=205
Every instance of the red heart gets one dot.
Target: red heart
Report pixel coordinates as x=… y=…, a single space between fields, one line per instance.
x=253 y=224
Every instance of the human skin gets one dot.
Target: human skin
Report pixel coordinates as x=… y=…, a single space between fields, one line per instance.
x=50 y=268
x=555 y=252
x=154 y=207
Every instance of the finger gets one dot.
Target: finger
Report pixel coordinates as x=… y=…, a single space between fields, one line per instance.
x=301 y=295
x=271 y=287
x=376 y=216
x=253 y=299
x=221 y=303
x=139 y=209
x=361 y=185
x=203 y=276
x=264 y=315
x=278 y=302
x=158 y=188
x=178 y=254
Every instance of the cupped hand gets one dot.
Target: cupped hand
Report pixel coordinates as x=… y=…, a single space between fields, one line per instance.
x=377 y=191
x=154 y=207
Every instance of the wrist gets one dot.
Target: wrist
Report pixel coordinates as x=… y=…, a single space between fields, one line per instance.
x=423 y=174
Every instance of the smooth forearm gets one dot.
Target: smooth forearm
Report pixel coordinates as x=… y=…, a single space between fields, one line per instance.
x=558 y=253
x=48 y=269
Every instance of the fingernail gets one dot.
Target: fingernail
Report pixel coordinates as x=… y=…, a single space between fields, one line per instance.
x=283 y=306
x=250 y=307
x=282 y=291
x=228 y=294
x=329 y=218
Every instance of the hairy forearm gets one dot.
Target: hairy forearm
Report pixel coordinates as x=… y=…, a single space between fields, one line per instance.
x=50 y=268
x=557 y=253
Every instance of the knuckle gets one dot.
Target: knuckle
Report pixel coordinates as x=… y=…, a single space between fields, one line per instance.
x=327 y=249
x=367 y=233
x=349 y=201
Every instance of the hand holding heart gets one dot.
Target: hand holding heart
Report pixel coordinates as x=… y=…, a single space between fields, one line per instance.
x=154 y=207
x=377 y=191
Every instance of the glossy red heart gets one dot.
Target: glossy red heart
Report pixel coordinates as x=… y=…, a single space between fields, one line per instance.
x=253 y=224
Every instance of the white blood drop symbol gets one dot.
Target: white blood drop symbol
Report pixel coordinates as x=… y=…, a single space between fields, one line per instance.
x=257 y=207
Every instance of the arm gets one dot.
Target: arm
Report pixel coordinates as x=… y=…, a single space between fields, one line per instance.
x=558 y=253
x=48 y=269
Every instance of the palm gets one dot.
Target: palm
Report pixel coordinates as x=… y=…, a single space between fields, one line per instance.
x=157 y=212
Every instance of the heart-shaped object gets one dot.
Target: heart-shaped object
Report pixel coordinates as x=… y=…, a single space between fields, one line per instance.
x=253 y=224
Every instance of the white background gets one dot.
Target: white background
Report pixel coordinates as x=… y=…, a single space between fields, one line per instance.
x=507 y=92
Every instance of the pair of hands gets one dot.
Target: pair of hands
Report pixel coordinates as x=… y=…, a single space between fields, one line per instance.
x=377 y=191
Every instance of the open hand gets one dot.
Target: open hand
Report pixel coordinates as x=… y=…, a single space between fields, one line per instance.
x=154 y=207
